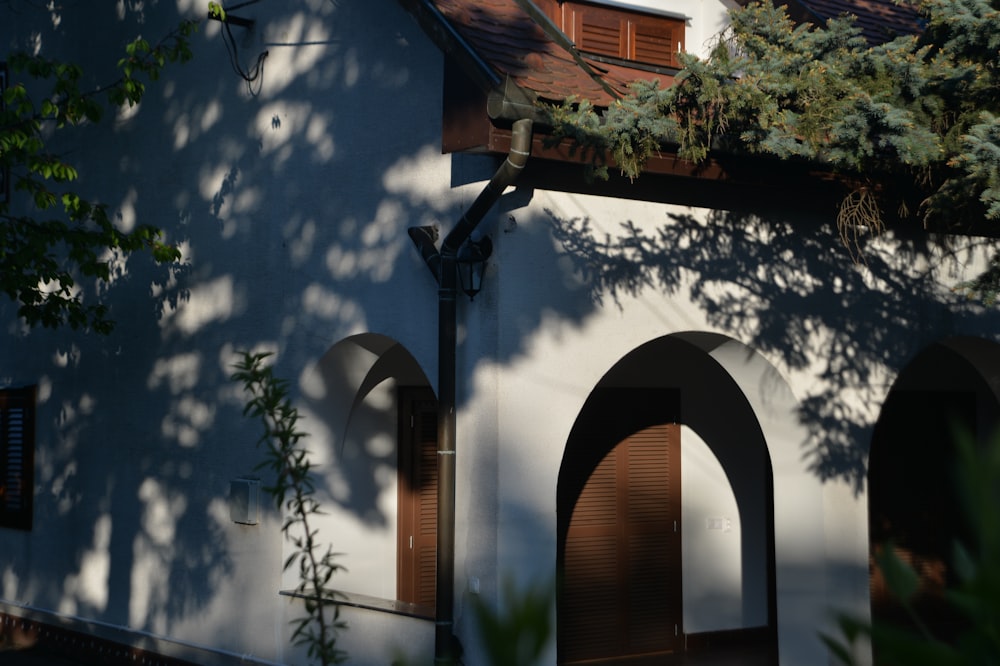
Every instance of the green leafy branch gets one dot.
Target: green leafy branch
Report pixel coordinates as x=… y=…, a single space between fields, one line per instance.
x=293 y=491
x=42 y=259
x=520 y=633
x=216 y=11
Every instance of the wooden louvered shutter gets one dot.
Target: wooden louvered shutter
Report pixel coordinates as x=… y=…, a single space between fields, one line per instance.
x=656 y=41
x=17 y=443
x=652 y=539
x=626 y=35
x=599 y=31
x=417 y=543
x=591 y=624
x=621 y=564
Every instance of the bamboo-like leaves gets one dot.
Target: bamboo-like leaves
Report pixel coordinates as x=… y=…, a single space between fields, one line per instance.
x=293 y=491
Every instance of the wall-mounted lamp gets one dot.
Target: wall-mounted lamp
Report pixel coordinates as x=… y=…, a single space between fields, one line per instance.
x=471 y=264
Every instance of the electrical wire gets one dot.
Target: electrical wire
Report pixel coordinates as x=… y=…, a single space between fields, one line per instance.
x=254 y=74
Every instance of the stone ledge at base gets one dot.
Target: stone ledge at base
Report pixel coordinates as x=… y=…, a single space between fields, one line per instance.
x=84 y=641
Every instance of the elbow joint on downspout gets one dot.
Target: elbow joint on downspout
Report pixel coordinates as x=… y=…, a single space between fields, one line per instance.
x=425 y=238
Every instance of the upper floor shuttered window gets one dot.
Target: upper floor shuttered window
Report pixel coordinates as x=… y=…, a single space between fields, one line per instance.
x=618 y=33
x=17 y=445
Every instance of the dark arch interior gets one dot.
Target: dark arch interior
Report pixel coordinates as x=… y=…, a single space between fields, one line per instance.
x=914 y=506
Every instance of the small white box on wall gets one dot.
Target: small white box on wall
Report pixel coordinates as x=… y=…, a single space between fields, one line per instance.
x=244 y=501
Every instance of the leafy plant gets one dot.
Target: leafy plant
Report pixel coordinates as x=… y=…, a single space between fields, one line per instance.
x=293 y=491
x=65 y=235
x=520 y=632
x=216 y=11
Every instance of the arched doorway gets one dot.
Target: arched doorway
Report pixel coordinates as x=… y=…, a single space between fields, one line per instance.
x=632 y=537
x=947 y=391
x=372 y=420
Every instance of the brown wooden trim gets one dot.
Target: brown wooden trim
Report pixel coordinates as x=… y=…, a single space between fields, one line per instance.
x=730 y=183
x=23 y=633
x=464 y=121
x=665 y=163
x=753 y=185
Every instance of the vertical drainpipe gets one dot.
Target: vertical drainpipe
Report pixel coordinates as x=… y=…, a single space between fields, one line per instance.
x=443 y=266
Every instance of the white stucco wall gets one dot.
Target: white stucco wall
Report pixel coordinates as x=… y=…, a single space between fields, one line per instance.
x=710 y=541
x=273 y=200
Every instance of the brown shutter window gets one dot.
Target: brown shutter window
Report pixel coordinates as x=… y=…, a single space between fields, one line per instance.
x=626 y=35
x=417 y=531
x=600 y=31
x=17 y=448
x=656 y=41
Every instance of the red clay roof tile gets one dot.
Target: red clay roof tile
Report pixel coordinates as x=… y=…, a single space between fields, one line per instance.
x=515 y=45
x=879 y=20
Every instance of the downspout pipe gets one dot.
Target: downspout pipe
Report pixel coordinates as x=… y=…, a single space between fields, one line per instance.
x=443 y=265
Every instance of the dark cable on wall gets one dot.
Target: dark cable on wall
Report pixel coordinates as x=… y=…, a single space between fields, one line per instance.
x=254 y=75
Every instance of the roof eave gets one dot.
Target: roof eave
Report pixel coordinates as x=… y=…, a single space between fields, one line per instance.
x=452 y=44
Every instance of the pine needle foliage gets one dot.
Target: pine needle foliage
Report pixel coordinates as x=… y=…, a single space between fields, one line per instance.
x=920 y=110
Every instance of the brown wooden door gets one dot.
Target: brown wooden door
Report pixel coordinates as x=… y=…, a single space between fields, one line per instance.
x=417 y=533
x=621 y=564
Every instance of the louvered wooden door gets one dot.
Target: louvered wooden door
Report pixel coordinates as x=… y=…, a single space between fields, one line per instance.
x=417 y=542
x=621 y=563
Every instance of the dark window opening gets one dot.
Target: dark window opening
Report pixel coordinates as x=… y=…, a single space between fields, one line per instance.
x=17 y=449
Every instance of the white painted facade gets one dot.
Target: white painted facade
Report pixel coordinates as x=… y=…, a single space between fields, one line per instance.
x=291 y=208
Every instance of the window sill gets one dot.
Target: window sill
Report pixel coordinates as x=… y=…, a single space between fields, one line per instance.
x=372 y=603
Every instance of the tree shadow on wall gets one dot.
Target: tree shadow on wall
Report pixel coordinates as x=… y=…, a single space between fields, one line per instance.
x=790 y=289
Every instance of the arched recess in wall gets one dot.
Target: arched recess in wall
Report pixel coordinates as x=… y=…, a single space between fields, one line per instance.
x=371 y=414
x=912 y=500
x=667 y=435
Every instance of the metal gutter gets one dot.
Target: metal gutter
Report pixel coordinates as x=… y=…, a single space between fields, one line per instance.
x=443 y=266
x=511 y=102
